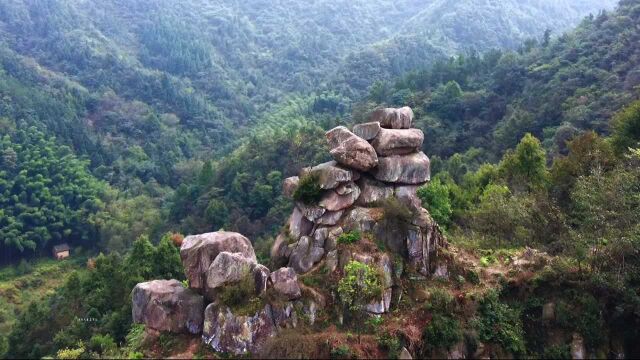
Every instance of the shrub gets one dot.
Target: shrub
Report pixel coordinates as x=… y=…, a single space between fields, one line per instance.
x=435 y=198
x=472 y=277
x=391 y=344
x=341 y=352
x=557 y=352
x=500 y=324
x=442 y=332
x=309 y=190
x=348 y=238
x=360 y=284
x=440 y=301
x=241 y=297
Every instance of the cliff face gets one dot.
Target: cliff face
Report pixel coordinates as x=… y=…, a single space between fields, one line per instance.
x=359 y=212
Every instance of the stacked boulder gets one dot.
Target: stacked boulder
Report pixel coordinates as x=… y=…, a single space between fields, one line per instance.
x=214 y=262
x=378 y=160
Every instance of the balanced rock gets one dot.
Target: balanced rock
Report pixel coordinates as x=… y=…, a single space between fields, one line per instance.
x=351 y=150
x=404 y=169
x=227 y=268
x=367 y=131
x=398 y=141
x=330 y=175
x=166 y=305
x=340 y=198
x=393 y=118
x=285 y=282
x=289 y=186
x=199 y=251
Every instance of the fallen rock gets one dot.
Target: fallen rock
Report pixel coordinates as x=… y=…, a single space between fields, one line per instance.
x=351 y=150
x=289 y=186
x=373 y=191
x=367 y=131
x=393 y=118
x=298 y=224
x=404 y=169
x=341 y=198
x=227 y=268
x=398 y=141
x=330 y=174
x=285 y=282
x=199 y=251
x=166 y=305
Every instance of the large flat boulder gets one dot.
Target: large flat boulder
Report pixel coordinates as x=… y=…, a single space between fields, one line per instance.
x=404 y=169
x=199 y=251
x=398 y=141
x=341 y=198
x=166 y=305
x=330 y=175
x=330 y=218
x=367 y=131
x=351 y=150
x=393 y=118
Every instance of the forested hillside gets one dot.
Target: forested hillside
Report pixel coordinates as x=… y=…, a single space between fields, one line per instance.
x=151 y=91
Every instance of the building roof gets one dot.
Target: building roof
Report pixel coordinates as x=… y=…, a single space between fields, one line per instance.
x=61 y=247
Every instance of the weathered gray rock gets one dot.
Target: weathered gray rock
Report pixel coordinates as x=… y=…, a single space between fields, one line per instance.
x=367 y=131
x=229 y=333
x=289 y=186
x=373 y=191
x=298 y=224
x=330 y=218
x=351 y=150
x=166 y=305
x=320 y=236
x=341 y=198
x=360 y=219
x=405 y=355
x=311 y=212
x=408 y=195
x=332 y=260
x=199 y=251
x=305 y=255
x=332 y=240
x=227 y=268
x=404 y=169
x=393 y=118
x=330 y=174
x=261 y=276
x=398 y=141
x=285 y=282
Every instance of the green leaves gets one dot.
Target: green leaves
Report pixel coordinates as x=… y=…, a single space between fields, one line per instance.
x=359 y=285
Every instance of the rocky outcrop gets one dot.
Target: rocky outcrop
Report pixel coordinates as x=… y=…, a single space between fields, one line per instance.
x=166 y=305
x=355 y=191
x=199 y=251
x=289 y=186
x=285 y=282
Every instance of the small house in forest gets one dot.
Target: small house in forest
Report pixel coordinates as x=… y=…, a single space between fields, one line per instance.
x=61 y=251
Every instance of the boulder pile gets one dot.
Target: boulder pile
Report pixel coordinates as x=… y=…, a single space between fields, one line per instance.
x=215 y=264
x=377 y=161
x=236 y=304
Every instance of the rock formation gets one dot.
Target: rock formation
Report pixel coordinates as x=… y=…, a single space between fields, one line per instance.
x=379 y=160
x=237 y=304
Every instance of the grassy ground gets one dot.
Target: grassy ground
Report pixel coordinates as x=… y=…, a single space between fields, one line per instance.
x=19 y=288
